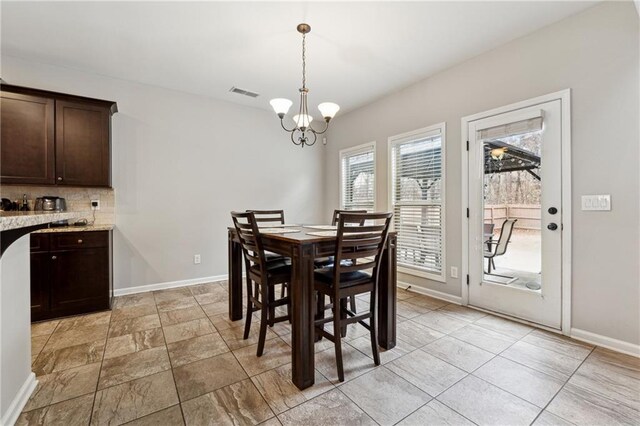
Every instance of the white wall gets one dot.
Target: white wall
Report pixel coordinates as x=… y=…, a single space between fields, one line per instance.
x=181 y=163
x=595 y=54
x=16 y=379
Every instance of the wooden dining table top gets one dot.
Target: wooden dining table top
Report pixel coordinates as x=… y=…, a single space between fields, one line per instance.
x=302 y=236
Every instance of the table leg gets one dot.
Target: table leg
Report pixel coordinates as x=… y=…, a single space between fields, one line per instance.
x=235 y=279
x=387 y=293
x=302 y=315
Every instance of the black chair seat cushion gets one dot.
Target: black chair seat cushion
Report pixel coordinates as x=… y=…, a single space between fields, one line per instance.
x=269 y=256
x=275 y=268
x=347 y=279
x=329 y=261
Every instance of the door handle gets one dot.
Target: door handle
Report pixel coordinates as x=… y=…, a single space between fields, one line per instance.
x=552 y=226
x=54 y=257
x=552 y=210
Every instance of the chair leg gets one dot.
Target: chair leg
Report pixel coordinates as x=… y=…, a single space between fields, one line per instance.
x=489 y=266
x=374 y=334
x=338 y=340
x=263 y=322
x=343 y=315
x=319 y=313
x=247 y=322
x=272 y=309
x=352 y=304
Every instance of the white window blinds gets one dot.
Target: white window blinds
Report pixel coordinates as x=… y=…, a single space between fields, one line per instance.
x=418 y=201
x=358 y=178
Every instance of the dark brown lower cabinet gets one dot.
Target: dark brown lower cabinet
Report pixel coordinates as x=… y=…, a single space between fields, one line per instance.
x=72 y=276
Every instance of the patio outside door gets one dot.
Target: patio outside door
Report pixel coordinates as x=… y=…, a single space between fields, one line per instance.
x=515 y=220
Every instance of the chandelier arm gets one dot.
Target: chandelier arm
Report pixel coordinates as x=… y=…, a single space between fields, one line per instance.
x=293 y=140
x=316 y=132
x=282 y=124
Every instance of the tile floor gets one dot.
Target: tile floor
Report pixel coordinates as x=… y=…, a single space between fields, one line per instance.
x=172 y=357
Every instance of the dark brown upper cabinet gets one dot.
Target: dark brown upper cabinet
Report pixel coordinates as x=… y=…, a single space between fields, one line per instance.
x=53 y=138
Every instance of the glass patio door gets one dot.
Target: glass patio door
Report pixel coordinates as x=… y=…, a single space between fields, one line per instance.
x=515 y=221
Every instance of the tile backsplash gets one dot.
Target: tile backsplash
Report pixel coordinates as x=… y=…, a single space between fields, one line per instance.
x=78 y=199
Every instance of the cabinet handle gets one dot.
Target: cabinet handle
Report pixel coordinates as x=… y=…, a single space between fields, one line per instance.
x=59 y=178
x=54 y=257
x=79 y=241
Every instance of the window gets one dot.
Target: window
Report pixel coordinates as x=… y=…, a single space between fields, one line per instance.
x=357 y=177
x=417 y=199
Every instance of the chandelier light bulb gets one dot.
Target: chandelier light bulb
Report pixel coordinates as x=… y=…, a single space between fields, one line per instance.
x=302 y=120
x=281 y=106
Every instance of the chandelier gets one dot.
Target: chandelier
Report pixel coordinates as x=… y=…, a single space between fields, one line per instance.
x=303 y=134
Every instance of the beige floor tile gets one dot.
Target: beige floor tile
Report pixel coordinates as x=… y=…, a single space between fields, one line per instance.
x=609 y=381
x=385 y=396
x=171 y=416
x=214 y=296
x=427 y=372
x=133 y=366
x=483 y=338
x=363 y=344
x=173 y=304
x=273 y=421
x=63 y=385
x=458 y=353
x=408 y=310
x=330 y=408
x=582 y=407
x=234 y=336
x=462 y=312
x=128 y=326
x=134 y=342
x=237 y=404
x=558 y=343
x=65 y=339
x=529 y=384
x=281 y=394
x=276 y=353
x=37 y=343
x=547 y=419
x=440 y=322
x=319 y=346
x=416 y=335
x=181 y=315
x=544 y=360
x=402 y=294
x=171 y=294
x=208 y=288
x=222 y=322
x=191 y=350
x=137 y=398
x=134 y=299
x=207 y=375
x=626 y=364
x=435 y=413
x=43 y=328
x=427 y=302
x=511 y=329
x=135 y=311
x=217 y=308
x=72 y=412
x=188 y=330
x=355 y=363
x=90 y=320
x=69 y=357
x=486 y=404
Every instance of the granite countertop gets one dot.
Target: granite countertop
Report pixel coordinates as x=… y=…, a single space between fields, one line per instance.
x=16 y=219
x=72 y=228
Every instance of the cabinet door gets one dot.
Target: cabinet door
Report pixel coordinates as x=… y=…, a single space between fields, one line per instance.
x=40 y=285
x=27 y=139
x=79 y=281
x=82 y=144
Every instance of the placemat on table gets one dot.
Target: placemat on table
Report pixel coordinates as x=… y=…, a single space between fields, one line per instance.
x=278 y=230
x=323 y=233
x=332 y=227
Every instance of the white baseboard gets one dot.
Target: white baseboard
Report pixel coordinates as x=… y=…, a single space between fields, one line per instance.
x=606 y=342
x=168 y=284
x=20 y=400
x=432 y=293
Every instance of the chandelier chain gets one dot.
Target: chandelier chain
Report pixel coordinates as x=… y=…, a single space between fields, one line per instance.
x=304 y=62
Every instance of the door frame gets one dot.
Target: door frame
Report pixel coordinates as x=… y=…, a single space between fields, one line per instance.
x=565 y=99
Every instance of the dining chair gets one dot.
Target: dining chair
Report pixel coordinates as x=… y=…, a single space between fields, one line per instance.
x=500 y=245
x=363 y=246
x=488 y=238
x=264 y=276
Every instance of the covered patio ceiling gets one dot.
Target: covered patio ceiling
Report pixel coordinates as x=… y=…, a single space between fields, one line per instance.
x=501 y=157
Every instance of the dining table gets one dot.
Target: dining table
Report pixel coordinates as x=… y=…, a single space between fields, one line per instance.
x=303 y=244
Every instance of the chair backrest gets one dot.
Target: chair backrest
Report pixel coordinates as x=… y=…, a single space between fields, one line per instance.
x=362 y=244
x=505 y=236
x=247 y=228
x=337 y=213
x=488 y=228
x=266 y=217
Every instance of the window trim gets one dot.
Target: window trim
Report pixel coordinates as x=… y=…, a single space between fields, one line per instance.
x=362 y=148
x=425 y=132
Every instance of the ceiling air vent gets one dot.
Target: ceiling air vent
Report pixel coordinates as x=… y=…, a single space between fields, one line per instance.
x=244 y=92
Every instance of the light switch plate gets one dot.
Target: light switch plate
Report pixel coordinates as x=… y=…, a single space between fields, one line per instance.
x=596 y=202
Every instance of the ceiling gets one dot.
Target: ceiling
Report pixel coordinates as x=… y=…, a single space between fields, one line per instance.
x=356 y=51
